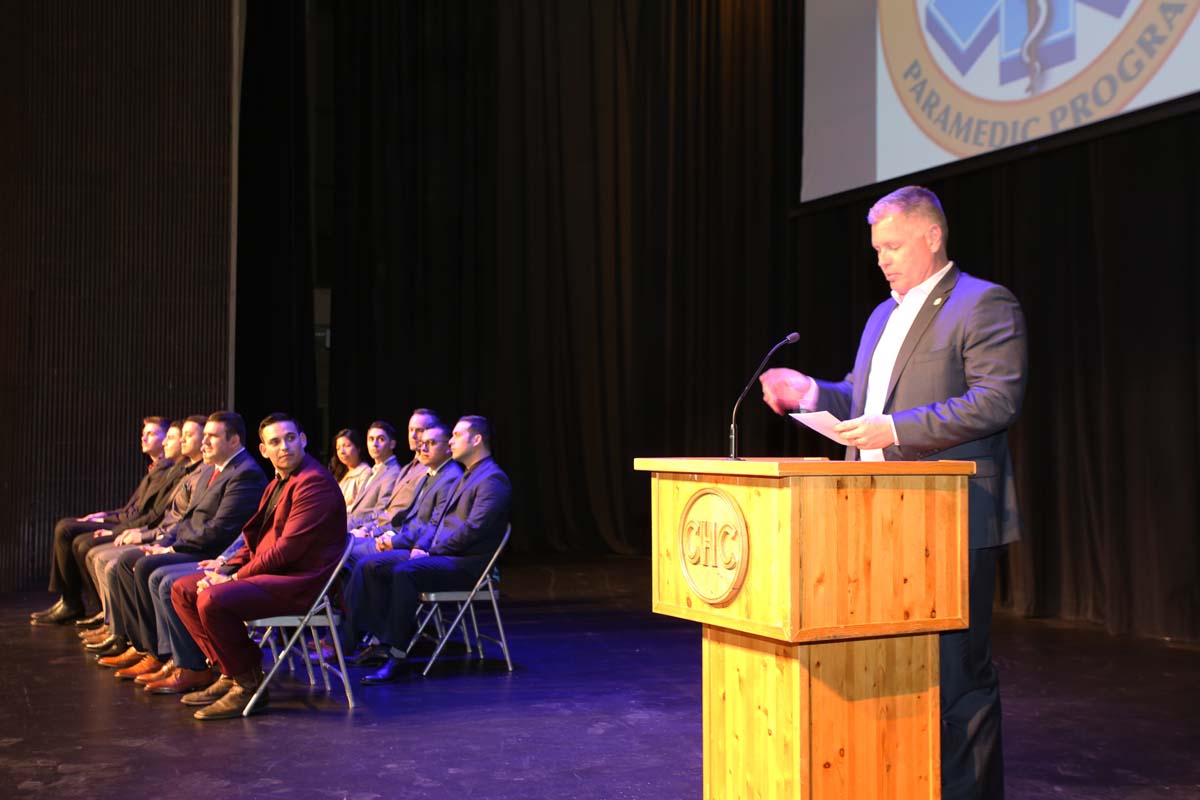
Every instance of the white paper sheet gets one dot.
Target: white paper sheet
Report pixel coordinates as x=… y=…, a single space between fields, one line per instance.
x=820 y=421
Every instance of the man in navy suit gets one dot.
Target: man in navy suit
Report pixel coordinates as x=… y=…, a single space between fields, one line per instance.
x=227 y=494
x=448 y=553
x=939 y=374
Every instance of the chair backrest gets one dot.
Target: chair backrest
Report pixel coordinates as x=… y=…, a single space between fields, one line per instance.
x=333 y=576
x=491 y=565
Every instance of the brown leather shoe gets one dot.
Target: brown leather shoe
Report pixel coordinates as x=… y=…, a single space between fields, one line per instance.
x=212 y=694
x=162 y=674
x=237 y=698
x=147 y=663
x=126 y=659
x=182 y=680
x=95 y=634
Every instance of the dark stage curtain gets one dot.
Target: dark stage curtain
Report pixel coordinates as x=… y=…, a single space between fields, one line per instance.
x=573 y=218
x=274 y=362
x=562 y=216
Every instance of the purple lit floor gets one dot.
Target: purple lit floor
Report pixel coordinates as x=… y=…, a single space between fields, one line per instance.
x=604 y=703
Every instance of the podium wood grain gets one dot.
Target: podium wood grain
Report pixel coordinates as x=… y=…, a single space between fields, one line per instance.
x=821 y=672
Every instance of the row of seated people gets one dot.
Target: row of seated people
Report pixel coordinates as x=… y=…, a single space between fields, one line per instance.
x=206 y=543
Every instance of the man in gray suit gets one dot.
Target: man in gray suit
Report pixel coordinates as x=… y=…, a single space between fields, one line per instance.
x=939 y=374
x=377 y=493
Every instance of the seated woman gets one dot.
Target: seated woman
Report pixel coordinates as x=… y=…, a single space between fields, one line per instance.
x=348 y=466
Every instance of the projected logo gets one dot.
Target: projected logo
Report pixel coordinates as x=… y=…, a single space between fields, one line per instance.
x=977 y=75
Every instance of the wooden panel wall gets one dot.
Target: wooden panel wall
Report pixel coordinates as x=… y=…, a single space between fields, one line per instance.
x=115 y=197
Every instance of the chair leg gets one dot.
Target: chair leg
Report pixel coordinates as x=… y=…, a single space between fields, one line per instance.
x=500 y=628
x=423 y=617
x=262 y=687
x=341 y=659
x=475 y=628
x=323 y=668
x=442 y=641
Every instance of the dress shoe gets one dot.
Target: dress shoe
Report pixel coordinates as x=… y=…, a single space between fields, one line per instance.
x=160 y=675
x=125 y=659
x=390 y=672
x=206 y=697
x=106 y=643
x=94 y=621
x=92 y=633
x=98 y=637
x=148 y=664
x=372 y=655
x=182 y=681
x=62 y=616
x=237 y=698
x=45 y=612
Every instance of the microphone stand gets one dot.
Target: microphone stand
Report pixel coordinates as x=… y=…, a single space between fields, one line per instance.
x=791 y=338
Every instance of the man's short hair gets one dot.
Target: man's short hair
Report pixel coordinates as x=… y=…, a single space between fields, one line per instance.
x=233 y=423
x=275 y=419
x=911 y=200
x=161 y=422
x=425 y=412
x=386 y=427
x=176 y=423
x=479 y=426
x=199 y=419
x=438 y=425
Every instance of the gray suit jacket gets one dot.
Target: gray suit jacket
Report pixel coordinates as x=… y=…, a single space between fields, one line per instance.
x=375 y=496
x=957 y=386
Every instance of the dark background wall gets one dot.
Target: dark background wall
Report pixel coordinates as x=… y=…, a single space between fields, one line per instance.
x=576 y=218
x=115 y=237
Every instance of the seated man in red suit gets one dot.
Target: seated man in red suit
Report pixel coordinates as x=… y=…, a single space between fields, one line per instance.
x=293 y=543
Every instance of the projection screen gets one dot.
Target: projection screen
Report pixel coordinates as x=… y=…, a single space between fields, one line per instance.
x=900 y=86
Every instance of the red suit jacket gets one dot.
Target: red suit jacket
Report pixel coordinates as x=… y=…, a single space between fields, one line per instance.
x=292 y=554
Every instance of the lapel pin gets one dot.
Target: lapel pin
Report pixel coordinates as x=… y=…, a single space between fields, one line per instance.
x=937 y=301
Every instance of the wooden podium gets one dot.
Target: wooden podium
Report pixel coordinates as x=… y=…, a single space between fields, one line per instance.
x=821 y=586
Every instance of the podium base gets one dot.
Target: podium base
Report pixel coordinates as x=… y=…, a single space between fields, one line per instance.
x=828 y=721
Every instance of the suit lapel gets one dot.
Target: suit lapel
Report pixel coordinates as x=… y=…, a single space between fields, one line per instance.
x=933 y=304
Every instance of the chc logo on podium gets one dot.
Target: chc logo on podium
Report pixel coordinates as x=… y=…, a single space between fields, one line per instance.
x=713 y=546
x=977 y=75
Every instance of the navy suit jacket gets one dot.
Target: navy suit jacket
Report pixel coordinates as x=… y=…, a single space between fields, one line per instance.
x=957 y=386
x=431 y=505
x=476 y=515
x=217 y=513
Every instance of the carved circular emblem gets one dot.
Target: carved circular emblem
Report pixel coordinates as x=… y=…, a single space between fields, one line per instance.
x=713 y=546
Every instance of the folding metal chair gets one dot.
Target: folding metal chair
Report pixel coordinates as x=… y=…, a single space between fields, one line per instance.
x=320 y=615
x=484 y=589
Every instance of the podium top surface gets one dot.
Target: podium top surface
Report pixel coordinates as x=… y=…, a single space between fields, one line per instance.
x=785 y=467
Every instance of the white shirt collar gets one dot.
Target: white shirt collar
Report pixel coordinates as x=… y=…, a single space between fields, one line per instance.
x=922 y=289
x=221 y=467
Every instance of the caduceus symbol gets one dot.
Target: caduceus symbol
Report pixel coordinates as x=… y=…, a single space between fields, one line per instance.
x=1038 y=13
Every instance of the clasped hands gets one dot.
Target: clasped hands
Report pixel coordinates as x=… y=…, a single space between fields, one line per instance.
x=211 y=578
x=785 y=389
x=385 y=542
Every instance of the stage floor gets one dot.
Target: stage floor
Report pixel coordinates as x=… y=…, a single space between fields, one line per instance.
x=604 y=703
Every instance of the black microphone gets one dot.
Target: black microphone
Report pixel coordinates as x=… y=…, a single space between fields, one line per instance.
x=791 y=338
